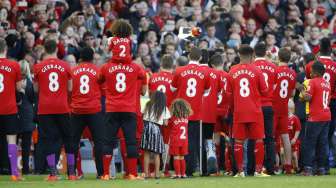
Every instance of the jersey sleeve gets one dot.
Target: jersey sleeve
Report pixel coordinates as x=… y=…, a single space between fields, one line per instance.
x=18 y=76
x=36 y=72
x=175 y=81
x=262 y=84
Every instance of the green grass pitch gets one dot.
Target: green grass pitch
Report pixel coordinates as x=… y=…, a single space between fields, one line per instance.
x=197 y=182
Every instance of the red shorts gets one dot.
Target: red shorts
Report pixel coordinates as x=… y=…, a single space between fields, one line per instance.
x=178 y=150
x=252 y=130
x=280 y=125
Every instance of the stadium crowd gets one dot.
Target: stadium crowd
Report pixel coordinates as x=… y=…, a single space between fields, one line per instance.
x=285 y=47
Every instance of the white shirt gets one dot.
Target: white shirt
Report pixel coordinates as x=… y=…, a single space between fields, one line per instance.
x=164 y=116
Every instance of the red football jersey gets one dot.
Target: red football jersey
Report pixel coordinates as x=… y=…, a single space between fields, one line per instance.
x=190 y=83
x=10 y=74
x=209 y=105
x=330 y=72
x=294 y=125
x=284 y=86
x=246 y=85
x=179 y=131
x=268 y=70
x=161 y=81
x=121 y=49
x=121 y=85
x=223 y=102
x=86 y=91
x=319 y=110
x=52 y=76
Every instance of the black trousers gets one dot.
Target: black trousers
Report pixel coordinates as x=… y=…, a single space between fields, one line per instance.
x=194 y=146
x=127 y=122
x=269 y=144
x=26 y=138
x=55 y=130
x=96 y=125
x=4 y=162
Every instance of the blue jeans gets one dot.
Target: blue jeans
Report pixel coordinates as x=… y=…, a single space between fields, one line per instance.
x=315 y=144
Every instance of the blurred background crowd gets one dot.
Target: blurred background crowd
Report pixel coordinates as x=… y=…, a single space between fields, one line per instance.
x=226 y=24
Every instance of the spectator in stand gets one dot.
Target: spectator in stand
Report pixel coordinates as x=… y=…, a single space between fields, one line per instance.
x=210 y=36
x=163 y=16
x=314 y=40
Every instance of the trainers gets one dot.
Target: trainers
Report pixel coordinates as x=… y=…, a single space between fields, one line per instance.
x=132 y=177
x=17 y=178
x=240 y=175
x=261 y=175
x=72 y=178
x=52 y=178
x=105 y=177
x=230 y=173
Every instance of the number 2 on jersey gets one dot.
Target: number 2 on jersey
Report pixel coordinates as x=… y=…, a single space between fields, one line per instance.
x=183 y=134
x=123 y=51
x=2 y=86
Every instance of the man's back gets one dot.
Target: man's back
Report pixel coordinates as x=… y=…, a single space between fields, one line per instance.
x=246 y=84
x=9 y=76
x=191 y=82
x=52 y=76
x=121 y=81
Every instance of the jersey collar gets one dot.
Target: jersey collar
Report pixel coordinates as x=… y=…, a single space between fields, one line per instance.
x=325 y=57
x=204 y=65
x=193 y=63
x=259 y=59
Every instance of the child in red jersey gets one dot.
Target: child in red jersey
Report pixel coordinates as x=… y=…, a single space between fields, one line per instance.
x=294 y=128
x=178 y=140
x=121 y=44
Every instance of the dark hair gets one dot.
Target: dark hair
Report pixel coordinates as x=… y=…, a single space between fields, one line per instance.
x=325 y=46
x=260 y=49
x=318 y=68
x=86 y=54
x=182 y=61
x=156 y=105
x=180 y=108
x=308 y=58
x=210 y=24
x=3 y=45
x=87 y=34
x=205 y=56
x=167 y=62
x=216 y=60
x=245 y=51
x=121 y=28
x=284 y=55
x=50 y=46
x=195 y=54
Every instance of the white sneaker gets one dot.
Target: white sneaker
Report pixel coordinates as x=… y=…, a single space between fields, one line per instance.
x=240 y=175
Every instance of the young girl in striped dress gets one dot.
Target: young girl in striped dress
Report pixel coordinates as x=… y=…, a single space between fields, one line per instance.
x=155 y=115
